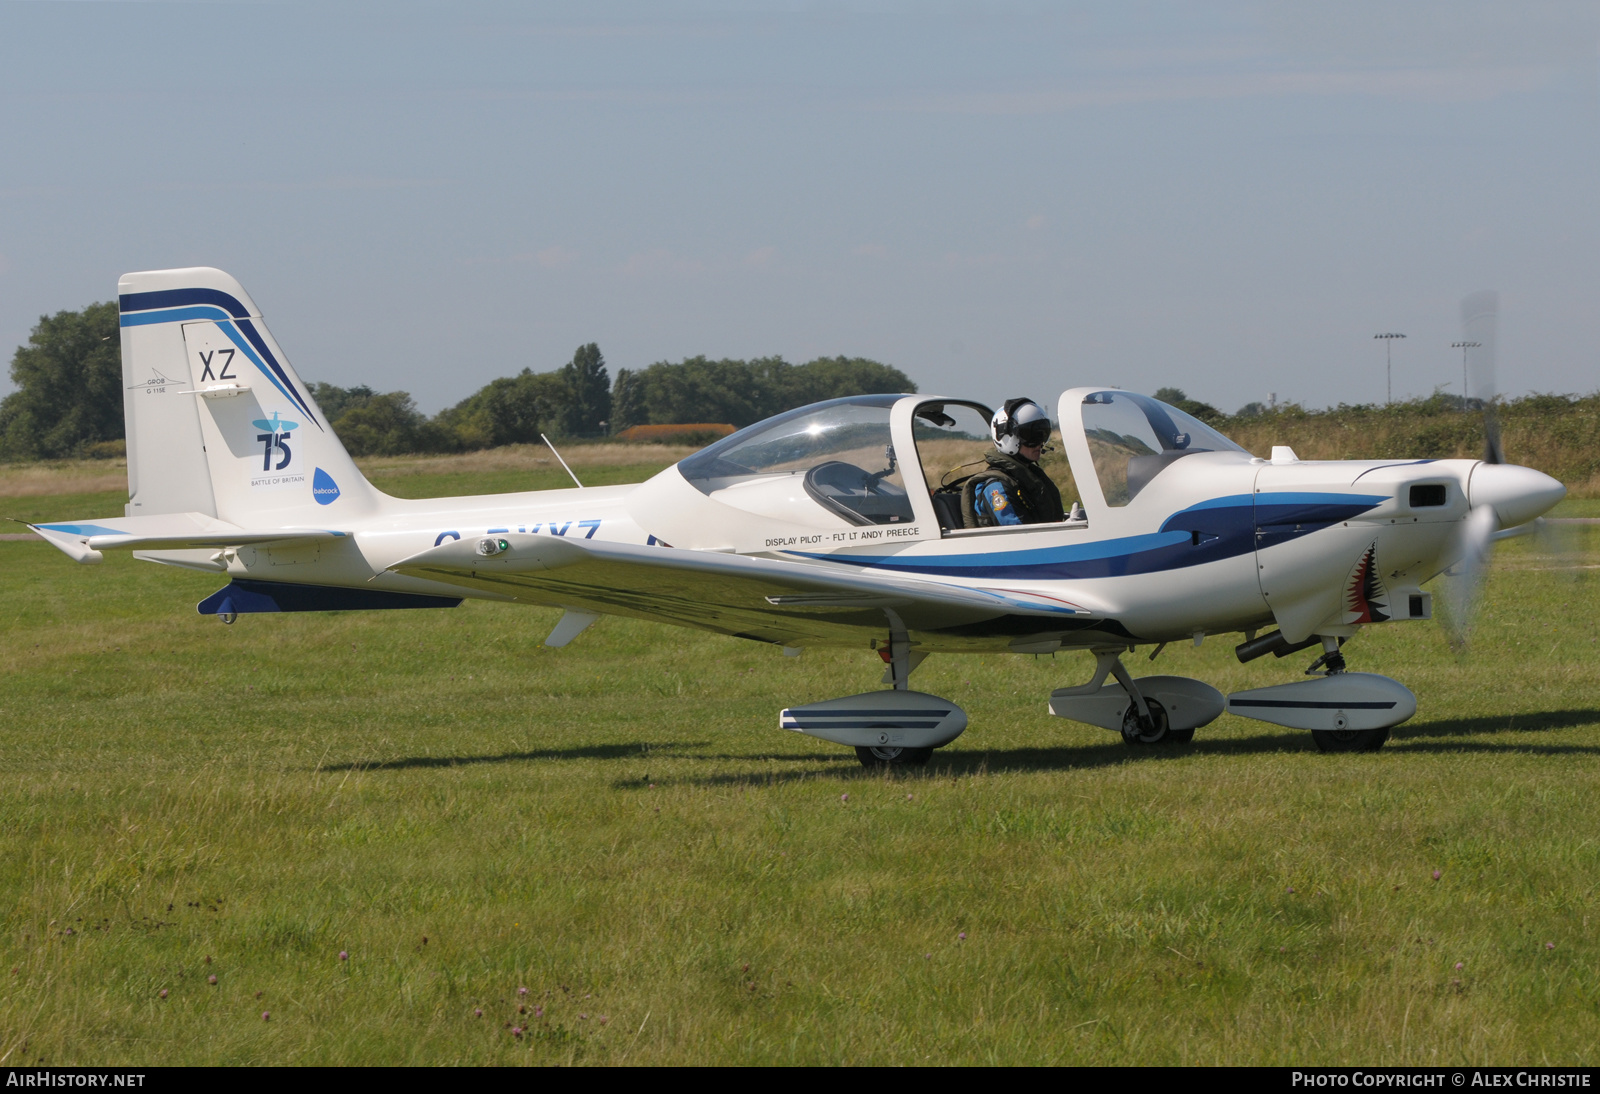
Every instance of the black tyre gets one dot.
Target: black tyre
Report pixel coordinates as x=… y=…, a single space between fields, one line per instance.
x=1158 y=733
x=878 y=757
x=1349 y=740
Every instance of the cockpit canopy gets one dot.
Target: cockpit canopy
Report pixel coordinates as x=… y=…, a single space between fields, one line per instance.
x=840 y=453
x=901 y=461
x=1133 y=438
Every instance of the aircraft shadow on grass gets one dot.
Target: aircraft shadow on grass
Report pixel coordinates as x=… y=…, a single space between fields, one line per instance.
x=632 y=750
x=1529 y=722
x=1430 y=736
x=964 y=762
x=961 y=762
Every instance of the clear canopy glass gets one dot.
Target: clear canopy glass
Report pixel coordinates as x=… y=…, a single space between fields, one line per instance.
x=1133 y=438
x=841 y=450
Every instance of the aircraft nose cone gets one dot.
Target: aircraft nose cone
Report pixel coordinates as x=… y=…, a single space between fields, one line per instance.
x=1517 y=494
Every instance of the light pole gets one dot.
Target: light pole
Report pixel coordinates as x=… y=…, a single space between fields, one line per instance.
x=1388 y=359
x=1463 y=347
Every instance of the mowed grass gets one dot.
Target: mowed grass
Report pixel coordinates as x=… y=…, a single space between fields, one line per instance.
x=620 y=828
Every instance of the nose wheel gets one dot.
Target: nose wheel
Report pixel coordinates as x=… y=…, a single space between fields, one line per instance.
x=1349 y=740
x=877 y=757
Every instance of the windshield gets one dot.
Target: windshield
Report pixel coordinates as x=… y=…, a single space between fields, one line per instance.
x=1133 y=438
x=841 y=449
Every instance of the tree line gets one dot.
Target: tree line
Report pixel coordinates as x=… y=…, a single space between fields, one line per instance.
x=68 y=403
x=68 y=397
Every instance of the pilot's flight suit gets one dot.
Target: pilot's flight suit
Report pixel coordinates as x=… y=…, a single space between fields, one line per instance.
x=1014 y=491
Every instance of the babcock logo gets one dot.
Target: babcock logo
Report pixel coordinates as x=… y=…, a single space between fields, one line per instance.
x=276 y=436
x=323 y=488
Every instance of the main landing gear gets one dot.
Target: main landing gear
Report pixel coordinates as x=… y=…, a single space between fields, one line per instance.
x=1153 y=710
x=888 y=729
x=1153 y=727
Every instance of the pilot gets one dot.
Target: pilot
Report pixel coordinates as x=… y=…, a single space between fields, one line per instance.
x=1013 y=488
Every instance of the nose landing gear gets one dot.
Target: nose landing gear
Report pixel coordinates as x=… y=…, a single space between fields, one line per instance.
x=878 y=757
x=1349 y=740
x=1345 y=711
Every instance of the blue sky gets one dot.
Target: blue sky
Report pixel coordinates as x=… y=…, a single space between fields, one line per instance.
x=997 y=198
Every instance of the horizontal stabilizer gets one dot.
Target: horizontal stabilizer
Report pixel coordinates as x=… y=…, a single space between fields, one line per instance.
x=170 y=531
x=73 y=546
x=246 y=597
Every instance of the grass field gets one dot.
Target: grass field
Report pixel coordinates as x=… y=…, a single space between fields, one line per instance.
x=619 y=828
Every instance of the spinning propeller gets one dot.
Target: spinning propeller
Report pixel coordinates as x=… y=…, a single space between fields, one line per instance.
x=1504 y=498
x=1464 y=585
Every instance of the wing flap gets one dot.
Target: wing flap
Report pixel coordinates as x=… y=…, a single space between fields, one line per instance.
x=769 y=599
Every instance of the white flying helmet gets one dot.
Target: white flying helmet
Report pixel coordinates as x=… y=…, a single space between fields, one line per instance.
x=1020 y=422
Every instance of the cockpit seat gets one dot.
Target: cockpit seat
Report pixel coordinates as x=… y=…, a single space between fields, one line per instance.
x=858 y=496
x=947 y=507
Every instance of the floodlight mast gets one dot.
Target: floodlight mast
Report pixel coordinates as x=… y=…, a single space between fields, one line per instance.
x=1463 y=347
x=1388 y=371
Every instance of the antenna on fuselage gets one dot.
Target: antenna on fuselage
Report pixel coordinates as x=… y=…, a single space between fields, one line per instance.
x=546 y=440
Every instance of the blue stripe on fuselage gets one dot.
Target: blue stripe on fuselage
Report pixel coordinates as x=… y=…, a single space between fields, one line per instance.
x=1296 y=507
x=1288 y=515
x=1215 y=529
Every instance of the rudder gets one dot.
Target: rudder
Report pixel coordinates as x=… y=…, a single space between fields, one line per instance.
x=217 y=421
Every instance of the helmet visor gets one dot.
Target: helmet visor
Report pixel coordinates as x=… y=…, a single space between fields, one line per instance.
x=1033 y=434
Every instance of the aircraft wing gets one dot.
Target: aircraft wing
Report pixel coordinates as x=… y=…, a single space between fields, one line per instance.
x=84 y=540
x=763 y=598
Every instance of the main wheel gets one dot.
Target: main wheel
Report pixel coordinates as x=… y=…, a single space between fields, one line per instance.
x=874 y=756
x=1135 y=734
x=1349 y=740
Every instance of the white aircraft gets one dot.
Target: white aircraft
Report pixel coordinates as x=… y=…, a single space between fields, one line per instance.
x=823 y=526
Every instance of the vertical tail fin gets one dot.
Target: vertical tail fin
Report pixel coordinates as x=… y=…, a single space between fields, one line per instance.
x=217 y=420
